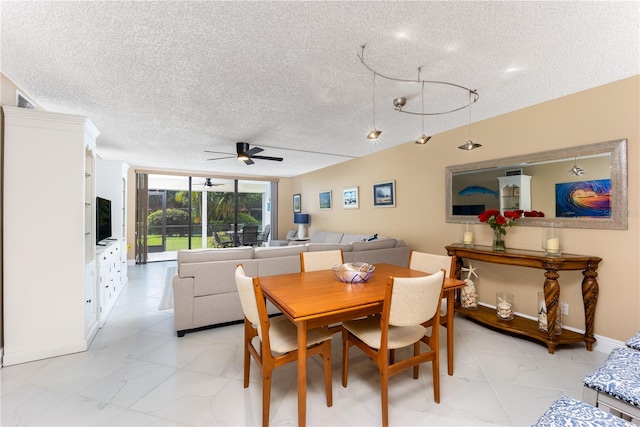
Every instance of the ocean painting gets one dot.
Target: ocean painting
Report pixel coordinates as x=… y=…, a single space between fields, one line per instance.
x=584 y=199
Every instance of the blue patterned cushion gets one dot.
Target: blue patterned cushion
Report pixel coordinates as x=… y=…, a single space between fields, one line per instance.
x=634 y=342
x=569 y=412
x=618 y=376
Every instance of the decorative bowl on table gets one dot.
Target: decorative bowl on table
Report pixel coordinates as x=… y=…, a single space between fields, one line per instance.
x=354 y=272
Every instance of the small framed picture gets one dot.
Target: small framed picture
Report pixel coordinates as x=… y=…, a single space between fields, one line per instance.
x=350 y=198
x=325 y=199
x=297 y=203
x=384 y=194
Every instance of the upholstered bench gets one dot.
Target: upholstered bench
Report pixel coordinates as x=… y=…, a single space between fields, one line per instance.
x=634 y=342
x=616 y=384
x=567 y=411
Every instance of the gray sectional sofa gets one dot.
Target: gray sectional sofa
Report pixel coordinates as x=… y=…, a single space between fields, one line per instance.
x=204 y=288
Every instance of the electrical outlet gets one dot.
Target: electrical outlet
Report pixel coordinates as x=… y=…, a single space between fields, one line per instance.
x=564 y=308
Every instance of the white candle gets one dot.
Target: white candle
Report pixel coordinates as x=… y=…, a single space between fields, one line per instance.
x=468 y=237
x=553 y=245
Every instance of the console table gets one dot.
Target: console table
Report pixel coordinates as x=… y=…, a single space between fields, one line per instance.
x=551 y=265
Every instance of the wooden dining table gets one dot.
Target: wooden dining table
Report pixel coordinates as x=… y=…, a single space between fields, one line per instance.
x=317 y=298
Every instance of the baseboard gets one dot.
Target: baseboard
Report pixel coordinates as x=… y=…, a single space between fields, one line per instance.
x=605 y=344
x=43 y=353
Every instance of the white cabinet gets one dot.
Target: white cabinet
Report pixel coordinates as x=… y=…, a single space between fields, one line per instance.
x=111 y=184
x=110 y=281
x=91 y=299
x=515 y=193
x=48 y=234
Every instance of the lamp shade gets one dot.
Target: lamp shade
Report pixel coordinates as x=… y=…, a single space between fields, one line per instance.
x=300 y=218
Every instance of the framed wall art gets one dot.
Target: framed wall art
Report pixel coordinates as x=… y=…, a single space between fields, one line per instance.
x=584 y=199
x=384 y=194
x=297 y=203
x=350 y=198
x=325 y=199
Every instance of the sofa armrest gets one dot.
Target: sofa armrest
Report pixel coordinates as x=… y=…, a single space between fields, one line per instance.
x=183 y=294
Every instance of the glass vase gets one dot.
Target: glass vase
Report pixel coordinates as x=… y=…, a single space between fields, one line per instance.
x=498 y=243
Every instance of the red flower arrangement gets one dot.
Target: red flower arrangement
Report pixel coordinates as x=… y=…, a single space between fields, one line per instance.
x=498 y=221
x=531 y=214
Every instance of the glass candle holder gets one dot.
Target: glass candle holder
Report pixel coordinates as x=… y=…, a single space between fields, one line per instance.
x=467 y=234
x=552 y=239
x=504 y=306
x=543 y=323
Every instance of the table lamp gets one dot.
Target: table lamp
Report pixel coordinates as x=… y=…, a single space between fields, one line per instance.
x=301 y=219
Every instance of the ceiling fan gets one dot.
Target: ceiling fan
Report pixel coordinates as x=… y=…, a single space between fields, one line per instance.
x=244 y=153
x=208 y=184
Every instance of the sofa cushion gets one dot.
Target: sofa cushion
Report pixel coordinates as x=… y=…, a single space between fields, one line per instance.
x=321 y=236
x=281 y=265
x=397 y=256
x=214 y=254
x=382 y=243
x=318 y=247
x=278 y=251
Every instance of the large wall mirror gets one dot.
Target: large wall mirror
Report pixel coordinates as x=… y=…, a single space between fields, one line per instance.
x=578 y=187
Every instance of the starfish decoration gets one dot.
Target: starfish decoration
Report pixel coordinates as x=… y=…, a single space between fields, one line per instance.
x=470 y=270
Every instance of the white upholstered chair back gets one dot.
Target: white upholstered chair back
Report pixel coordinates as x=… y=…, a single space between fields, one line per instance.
x=321 y=260
x=431 y=263
x=415 y=300
x=248 y=300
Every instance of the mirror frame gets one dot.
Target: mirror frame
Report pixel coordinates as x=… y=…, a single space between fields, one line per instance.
x=619 y=187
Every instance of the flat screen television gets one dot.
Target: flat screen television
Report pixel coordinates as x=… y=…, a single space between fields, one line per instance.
x=103 y=219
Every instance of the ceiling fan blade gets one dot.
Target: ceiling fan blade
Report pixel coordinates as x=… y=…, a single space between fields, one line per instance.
x=248 y=161
x=222 y=158
x=275 y=159
x=218 y=152
x=253 y=151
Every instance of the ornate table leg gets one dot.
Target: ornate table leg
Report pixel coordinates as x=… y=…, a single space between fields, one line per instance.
x=552 y=299
x=589 y=299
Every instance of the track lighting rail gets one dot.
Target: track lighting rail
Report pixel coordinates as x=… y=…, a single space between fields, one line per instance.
x=400 y=102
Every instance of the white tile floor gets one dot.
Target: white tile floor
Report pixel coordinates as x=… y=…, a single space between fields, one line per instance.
x=138 y=373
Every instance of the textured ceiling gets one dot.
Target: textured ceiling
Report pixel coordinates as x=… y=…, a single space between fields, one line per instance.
x=165 y=81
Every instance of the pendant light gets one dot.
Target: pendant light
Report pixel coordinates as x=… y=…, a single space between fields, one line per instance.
x=423 y=138
x=374 y=133
x=470 y=145
x=576 y=170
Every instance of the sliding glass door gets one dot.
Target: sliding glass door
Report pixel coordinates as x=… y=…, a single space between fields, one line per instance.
x=196 y=212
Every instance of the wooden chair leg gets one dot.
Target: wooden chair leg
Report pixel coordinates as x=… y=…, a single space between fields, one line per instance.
x=345 y=356
x=266 y=396
x=416 y=352
x=384 y=395
x=392 y=356
x=435 y=367
x=248 y=332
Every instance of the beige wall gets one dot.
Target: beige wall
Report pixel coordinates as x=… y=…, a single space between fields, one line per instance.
x=600 y=114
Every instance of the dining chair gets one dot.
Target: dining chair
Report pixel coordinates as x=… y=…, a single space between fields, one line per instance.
x=278 y=340
x=222 y=242
x=409 y=302
x=250 y=235
x=263 y=236
x=321 y=260
x=431 y=263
